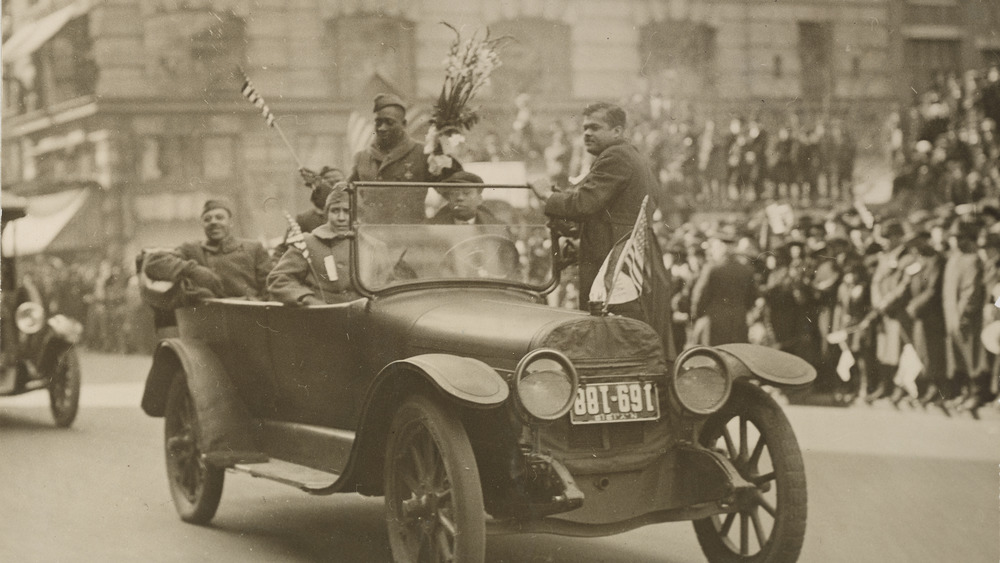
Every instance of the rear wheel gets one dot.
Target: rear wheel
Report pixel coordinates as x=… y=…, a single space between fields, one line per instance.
x=64 y=388
x=433 y=497
x=768 y=524
x=195 y=487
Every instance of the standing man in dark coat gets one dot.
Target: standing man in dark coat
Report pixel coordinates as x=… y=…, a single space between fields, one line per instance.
x=722 y=297
x=925 y=309
x=963 y=294
x=607 y=201
x=393 y=157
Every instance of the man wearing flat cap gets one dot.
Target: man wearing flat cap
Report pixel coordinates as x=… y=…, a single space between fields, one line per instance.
x=393 y=157
x=963 y=294
x=220 y=266
x=464 y=202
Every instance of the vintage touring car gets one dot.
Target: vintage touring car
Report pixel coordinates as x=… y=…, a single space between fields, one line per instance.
x=452 y=388
x=38 y=351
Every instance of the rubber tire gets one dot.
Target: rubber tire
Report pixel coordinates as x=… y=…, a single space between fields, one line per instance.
x=64 y=388
x=195 y=504
x=789 y=524
x=422 y=421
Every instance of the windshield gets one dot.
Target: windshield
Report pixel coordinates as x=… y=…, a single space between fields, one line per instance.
x=411 y=233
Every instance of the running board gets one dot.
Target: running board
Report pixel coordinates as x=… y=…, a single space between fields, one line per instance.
x=298 y=476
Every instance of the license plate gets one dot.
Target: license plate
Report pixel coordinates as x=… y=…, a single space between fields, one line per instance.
x=598 y=403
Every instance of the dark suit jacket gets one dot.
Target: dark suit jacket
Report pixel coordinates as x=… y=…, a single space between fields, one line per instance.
x=606 y=203
x=724 y=293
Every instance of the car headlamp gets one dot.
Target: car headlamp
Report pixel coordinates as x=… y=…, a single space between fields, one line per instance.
x=545 y=383
x=701 y=382
x=29 y=317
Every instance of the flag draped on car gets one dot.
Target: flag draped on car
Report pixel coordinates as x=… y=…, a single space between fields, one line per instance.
x=634 y=270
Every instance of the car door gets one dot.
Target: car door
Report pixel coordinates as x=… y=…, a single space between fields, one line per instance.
x=317 y=369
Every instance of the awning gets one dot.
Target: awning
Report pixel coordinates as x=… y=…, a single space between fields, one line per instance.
x=31 y=36
x=74 y=214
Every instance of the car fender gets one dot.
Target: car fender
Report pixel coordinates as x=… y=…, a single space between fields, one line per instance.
x=225 y=422
x=771 y=366
x=471 y=382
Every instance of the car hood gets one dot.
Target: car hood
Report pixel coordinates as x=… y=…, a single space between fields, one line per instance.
x=500 y=327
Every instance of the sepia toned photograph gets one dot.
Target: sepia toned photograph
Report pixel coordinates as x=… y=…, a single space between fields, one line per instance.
x=521 y=281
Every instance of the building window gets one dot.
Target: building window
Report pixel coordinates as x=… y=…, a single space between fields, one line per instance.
x=219 y=154
x=537 y=62
x=64 y=66
x=816 y=56
x=778 y=71
x=856 y=67
x=372 y=53
x=678 y=57
x=926 y=60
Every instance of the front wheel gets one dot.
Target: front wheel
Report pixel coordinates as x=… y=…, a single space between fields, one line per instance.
x=195 y=487
x=64 y=388
x=753 y=432
x=433 y=497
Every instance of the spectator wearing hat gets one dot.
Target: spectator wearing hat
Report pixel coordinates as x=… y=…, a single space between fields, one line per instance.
x=962 y=297
x=324 y=275
x=889 y=293
x=464 y=202
x=927 y=315
x=393 y=157
x=220 y=266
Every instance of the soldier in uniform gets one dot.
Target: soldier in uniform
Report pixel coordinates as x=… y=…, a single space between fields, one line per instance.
x=220 y=266
x=394 y=157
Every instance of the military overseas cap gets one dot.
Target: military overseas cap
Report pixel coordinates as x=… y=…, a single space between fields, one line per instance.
x=386 y=100
x=217 y=204
x=337 y=193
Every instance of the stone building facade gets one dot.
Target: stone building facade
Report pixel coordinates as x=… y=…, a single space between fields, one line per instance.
x=142 y=96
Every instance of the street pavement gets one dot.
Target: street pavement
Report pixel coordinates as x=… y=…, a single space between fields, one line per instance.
x=884 y=486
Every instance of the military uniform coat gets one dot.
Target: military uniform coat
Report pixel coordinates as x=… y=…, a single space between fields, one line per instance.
x=606 y=203
x=241 y=265
x=326 y=275
x=405 y=163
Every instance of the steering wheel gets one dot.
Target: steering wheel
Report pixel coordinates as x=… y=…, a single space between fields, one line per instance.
x=483 y=256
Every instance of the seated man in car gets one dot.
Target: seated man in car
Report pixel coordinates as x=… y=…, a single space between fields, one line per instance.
x=220 y=266
x=320 y=274
x=464 y=202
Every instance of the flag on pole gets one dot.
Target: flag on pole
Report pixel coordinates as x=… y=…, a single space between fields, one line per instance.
x=251 y=94
x=623 y=281
x=294 y=236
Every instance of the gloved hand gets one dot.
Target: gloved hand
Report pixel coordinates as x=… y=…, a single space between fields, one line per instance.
x=203 y=278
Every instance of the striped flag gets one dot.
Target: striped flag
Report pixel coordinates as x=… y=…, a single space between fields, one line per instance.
x=624 y=281
x=251 y=94
x=294 y=236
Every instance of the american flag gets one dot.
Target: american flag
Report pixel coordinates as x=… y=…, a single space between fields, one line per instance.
x=251 y=94
x=624 y=281
x=294 y=237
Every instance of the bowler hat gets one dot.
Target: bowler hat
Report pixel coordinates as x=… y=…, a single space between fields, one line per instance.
x=463 y=177
x=386 y=100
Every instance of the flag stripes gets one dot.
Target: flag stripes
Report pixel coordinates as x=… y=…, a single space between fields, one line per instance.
x=295 y=237
x=251 y=94
x=624 y=281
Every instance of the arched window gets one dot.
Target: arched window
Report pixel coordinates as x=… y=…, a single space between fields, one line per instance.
x=372 y=53
x=536 y=61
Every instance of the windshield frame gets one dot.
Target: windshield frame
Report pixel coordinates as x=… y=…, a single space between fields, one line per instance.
x=353 y=191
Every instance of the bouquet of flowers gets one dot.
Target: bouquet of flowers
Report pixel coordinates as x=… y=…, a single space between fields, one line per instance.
x=467 y=69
